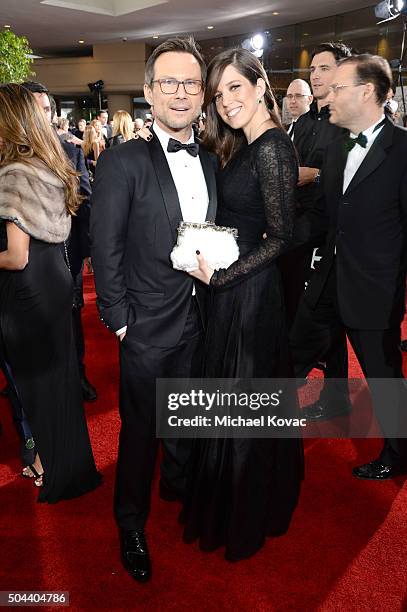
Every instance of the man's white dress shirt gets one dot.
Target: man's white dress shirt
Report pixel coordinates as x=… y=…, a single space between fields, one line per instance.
x=358 y=153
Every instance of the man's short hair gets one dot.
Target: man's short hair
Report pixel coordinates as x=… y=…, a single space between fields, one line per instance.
x=339 y=50
x=103 y=110
x=53 y=106
x=177 y=45
x=35 y=87
x=372 y=69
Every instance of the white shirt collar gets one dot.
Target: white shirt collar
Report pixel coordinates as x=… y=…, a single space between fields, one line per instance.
x=164 y=137
x=370 y=130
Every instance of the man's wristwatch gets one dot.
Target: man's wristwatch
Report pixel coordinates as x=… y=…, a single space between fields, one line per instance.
x=317 y=177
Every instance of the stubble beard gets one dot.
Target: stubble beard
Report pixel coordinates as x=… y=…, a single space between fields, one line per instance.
x=175 y=126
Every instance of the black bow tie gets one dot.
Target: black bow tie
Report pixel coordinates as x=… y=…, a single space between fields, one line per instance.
x=175 y=145
x=360 y=140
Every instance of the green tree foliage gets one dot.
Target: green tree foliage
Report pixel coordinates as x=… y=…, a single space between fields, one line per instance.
x=15 y=63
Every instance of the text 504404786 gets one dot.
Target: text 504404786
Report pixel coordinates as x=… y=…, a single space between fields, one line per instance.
x=34 y=598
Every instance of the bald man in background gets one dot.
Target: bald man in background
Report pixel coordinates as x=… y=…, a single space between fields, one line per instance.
x=294 y=265
x=299 y=99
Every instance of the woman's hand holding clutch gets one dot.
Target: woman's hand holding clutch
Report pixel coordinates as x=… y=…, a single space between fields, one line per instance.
x=203 y=272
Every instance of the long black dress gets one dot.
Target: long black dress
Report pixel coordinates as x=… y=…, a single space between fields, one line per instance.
x=36 y=339
x=242 y=490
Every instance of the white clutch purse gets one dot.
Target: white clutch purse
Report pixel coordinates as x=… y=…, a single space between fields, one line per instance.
x=216 y=244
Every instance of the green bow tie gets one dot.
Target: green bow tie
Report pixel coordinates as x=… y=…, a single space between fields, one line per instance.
x=360 y=140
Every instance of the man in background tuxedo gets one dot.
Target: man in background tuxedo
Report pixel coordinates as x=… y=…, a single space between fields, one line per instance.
x=313 y=133
x=141 y=194
x=298 y=99
x=359 y=287
x=107 y=130
x=294 y=265
x=78 y=249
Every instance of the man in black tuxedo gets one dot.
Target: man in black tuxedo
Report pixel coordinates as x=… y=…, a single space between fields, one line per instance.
x=78 y=249
x=141 y=194
x=298 y=99
x=359 y=286
x=313 y=133
x=103 y=117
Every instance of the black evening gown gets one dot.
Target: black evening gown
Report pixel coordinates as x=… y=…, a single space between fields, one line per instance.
x=37 y=342
x=242 y=490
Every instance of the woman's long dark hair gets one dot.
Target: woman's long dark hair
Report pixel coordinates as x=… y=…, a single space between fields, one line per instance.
x=219 y=137
x=27 y=134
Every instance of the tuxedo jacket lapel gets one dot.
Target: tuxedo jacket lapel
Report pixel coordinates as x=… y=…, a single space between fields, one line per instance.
x=209 y=173
x=169 y=191
x=167 y=185
x=375 y=156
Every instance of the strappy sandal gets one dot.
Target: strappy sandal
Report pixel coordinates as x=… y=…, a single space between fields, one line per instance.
x=38 y=478
x=27 y=472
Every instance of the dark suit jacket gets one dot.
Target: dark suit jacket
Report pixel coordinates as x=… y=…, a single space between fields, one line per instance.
x=313 y=133
x=367 y=224
x=134 y=220
x=79 y=241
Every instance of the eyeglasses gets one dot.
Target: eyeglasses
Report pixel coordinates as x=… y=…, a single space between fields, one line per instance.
x=336 y=88
x=296 y=96
x=170 y=86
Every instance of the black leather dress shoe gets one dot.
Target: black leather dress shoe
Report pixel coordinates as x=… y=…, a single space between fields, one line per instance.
x=168 y=494
x=321 y=365
x=88 y=391
x=403 y=345
x=135 y=555
x=376 y=470
x=320 y=412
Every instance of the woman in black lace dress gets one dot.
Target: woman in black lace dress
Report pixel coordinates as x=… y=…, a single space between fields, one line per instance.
x=242 y=490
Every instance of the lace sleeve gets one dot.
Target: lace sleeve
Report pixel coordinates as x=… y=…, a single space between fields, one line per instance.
x=277 y=171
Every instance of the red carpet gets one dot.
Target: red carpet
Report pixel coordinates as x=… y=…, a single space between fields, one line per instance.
x=346 y=549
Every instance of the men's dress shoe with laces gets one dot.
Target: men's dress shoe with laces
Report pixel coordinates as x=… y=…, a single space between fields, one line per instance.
x=321 y=412
x=376 y=470
x=88 y=391
x=135 y=555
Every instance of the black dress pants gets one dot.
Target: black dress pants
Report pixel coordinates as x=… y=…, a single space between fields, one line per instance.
x=78 y=334
x=379 y=355
x=19 y=417
x=140 y=365
x=318 y=334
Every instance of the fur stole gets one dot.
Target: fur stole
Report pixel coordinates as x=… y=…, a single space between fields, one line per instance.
x=33 y=198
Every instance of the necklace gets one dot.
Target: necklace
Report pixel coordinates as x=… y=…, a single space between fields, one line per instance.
x=257 y=133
